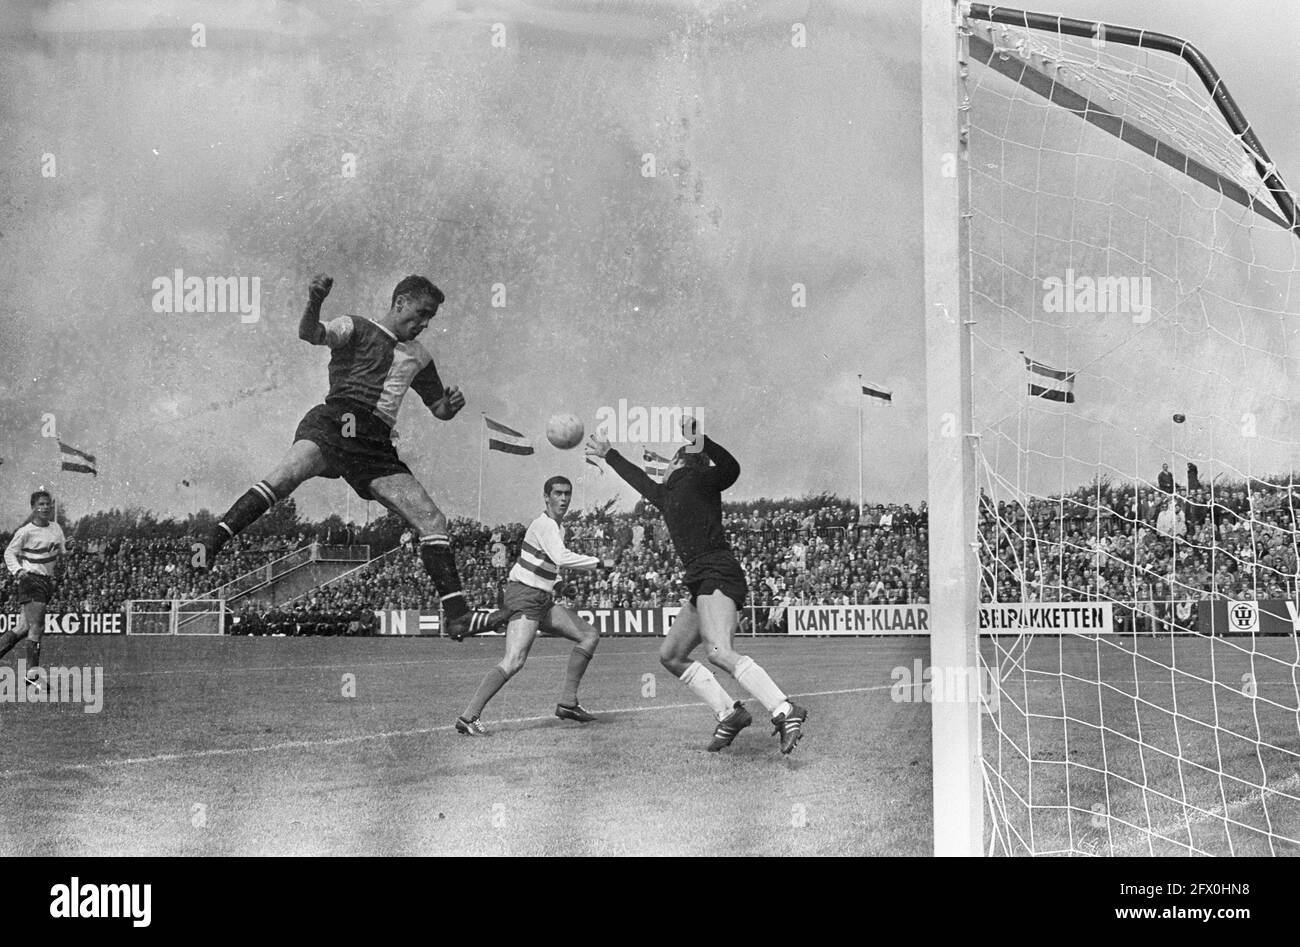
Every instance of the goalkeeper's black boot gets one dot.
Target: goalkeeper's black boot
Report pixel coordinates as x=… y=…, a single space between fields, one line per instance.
x=729 y=726
x=790 y=726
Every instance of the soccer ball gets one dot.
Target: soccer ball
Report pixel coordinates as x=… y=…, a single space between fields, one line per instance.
x=564 y=431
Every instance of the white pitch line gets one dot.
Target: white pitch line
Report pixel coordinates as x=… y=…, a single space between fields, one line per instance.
x=344 y=741
x=1168 y=833
x=344 y=665
x=604 y=657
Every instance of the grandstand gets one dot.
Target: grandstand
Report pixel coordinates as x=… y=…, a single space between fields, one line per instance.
x=1234 y=544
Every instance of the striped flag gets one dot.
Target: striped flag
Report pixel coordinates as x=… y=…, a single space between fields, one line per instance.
x=77 y=461
x=875 y=391
x=507 y=440
x=656 y=465
x=1050 y=383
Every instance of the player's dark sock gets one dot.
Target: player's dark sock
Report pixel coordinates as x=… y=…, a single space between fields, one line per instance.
x=578 y=661
x=440 y=562
x=7 y=641
x=33 y=653
x=241 y=515
x=492 y=682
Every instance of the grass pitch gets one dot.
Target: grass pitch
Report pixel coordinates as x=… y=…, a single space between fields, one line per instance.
x=239 y=746
x=326 y=746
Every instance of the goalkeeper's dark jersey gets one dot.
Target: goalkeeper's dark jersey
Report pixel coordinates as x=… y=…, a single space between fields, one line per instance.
x=690 y=499
x=371 y=370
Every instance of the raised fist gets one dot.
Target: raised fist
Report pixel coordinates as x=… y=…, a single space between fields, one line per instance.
x=320 y=286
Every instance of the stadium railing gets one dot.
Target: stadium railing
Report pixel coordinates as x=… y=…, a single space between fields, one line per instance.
x=269 y=572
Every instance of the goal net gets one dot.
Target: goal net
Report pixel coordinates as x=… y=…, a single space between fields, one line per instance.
x=1130 y=283
x=176 y=617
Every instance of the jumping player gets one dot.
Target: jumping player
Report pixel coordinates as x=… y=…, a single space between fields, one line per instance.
x=372 y=364
x=32 y=556
x=528 y=604
x=690 y=499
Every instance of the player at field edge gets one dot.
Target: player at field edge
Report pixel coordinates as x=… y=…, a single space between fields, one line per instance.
x=372 y=364
x=529 y=605
x=690 y=499
x=32 y=556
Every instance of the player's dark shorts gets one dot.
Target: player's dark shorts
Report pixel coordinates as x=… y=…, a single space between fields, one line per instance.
x=363 y=456
x=520 y=599
x=34 y=588
x=716 y=571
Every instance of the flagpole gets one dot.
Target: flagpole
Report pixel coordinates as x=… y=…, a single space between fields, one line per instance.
x=481 y=439
x=860 y=397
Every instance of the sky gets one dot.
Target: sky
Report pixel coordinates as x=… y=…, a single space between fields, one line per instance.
x=370 y=141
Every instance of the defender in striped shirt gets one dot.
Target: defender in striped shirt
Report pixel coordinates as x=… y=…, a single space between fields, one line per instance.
x=373 y=362
x=529 y=606
x=31 y=557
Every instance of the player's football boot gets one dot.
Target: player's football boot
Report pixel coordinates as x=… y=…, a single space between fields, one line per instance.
x=790 y=726
x=729 y=726
x=474 y=623
x=573 y=712
x=212 y=543
x=470 y=728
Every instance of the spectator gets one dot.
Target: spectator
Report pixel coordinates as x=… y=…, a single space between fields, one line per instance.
x=1165 y=480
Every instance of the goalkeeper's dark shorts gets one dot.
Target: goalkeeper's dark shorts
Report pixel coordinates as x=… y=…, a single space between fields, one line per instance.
x=34 y=588
x=716 y=571
x=356 y=445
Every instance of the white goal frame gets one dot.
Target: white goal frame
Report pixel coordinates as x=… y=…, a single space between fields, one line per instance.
x=202 y=617
x=946 y=25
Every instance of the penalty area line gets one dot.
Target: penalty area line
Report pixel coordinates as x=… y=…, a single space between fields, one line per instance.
x=358 y=738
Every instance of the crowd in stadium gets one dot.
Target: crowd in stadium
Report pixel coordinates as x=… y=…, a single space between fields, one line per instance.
x=1110 y=541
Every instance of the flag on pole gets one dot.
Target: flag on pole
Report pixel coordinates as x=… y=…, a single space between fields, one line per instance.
x=77 y=461
x=1050 y=383
x=876 y=391
x=656 y=465
x=507 y=440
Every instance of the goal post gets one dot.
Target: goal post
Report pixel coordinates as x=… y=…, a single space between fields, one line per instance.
x=1112 y=290
x=176 y=617
x=958 y=803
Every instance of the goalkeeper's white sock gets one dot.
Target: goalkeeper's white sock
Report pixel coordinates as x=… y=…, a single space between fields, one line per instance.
x=755 y=680
x=706 y=687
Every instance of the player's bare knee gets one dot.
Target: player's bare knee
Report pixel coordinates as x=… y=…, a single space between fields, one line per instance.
x=676 y=664
x=721 y=656
x=589 y=639
x=670 y=658
x=513 y=664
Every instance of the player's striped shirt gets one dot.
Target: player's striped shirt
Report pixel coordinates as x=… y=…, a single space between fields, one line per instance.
x=36 y=549
x=543 y=553
x=371 y=370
